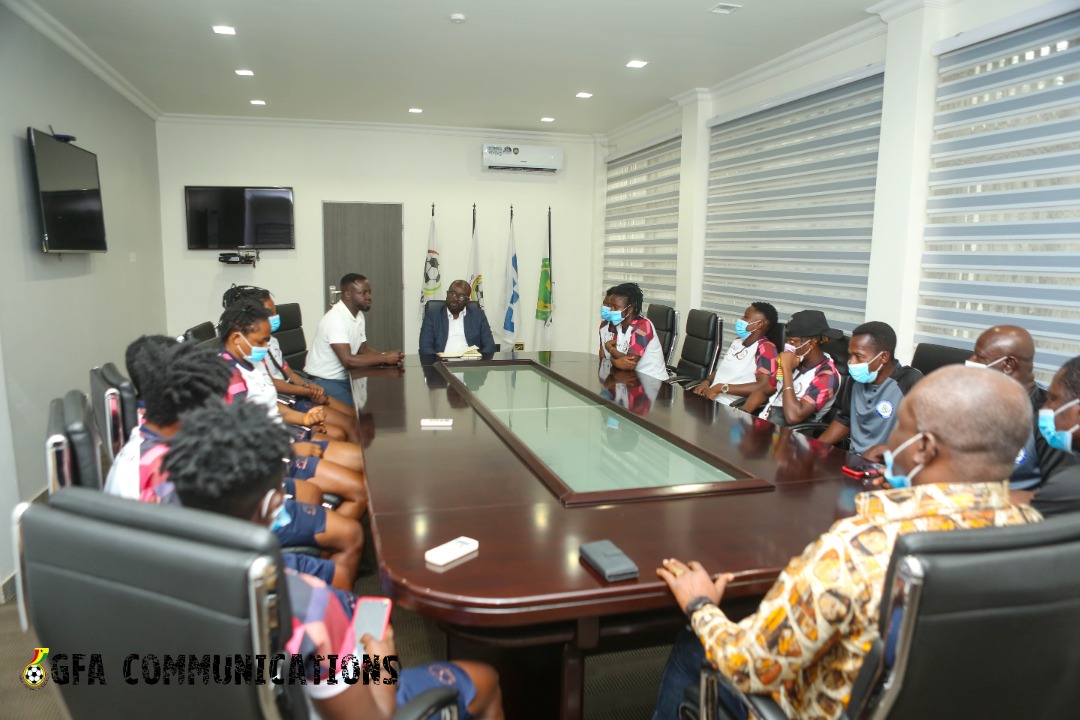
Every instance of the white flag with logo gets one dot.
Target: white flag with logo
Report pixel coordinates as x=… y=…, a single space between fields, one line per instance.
x=475 y=277
x=511 y=297
x=432 y=284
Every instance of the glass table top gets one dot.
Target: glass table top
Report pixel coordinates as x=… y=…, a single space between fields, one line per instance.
x=590 y=446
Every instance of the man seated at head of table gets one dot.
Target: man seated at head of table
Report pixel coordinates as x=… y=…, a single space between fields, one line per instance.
x=750 y=362
x=627 y=338
x=455 y=326
x=807 y=382
x=950 y=456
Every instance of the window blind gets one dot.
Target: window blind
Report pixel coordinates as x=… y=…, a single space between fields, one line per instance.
x=791 y=205
x=642 y=221
x=1002 y=239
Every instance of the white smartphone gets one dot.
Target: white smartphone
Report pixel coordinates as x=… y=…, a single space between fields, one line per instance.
x=451 y=551
x=372 y=617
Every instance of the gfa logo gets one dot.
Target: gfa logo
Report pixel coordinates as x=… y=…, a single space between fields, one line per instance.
x=34 y=675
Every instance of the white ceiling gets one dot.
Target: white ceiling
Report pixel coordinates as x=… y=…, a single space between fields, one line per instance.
x=511 y=63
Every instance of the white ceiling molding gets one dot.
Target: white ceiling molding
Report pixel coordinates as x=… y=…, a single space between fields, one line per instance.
x=693 y=95
x=822 y=48
x=1004 y=26
x=889 y=10
x=51 y=28
x=486 y=134
x=663 y=112
x=652 y=142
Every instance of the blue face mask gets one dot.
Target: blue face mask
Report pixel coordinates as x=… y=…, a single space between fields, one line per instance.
x=281 y=518
x=742 y=328
x=275 y=323
x=258 y=354
x=860 y=372
x=900 y=481
x=605 y=313
x=615 y=316
x=1057 y=439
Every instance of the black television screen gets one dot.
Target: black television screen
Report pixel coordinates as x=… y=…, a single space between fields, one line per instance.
x=70 y=195
x=228 y=218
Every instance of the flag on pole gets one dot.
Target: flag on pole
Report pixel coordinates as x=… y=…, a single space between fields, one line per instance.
x=476 y=278
x=545 y=309
x=429 y=289
x=511 y=297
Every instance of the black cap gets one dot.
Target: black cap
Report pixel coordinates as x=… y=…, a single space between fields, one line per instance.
x=811 y=323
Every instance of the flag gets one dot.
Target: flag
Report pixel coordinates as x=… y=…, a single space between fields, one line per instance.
x=545 y=310
x=475 y=277
x=510 y=290
x=432 y=284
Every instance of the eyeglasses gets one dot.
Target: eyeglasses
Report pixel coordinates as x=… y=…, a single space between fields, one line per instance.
x=460 y=296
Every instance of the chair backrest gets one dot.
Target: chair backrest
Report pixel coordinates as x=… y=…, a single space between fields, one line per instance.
x=290 y=335
x=200 y=333
x=665 y=320
x=838 y=351
x=105 y=575
x=963 y=607
x=929 y=357
x=701 y=346
x=72 y=444
x=778 y=335
x=115 y=407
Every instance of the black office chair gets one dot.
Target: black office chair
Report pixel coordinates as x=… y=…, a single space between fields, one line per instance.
x=929 y=357
x=701 y=347
x=200 y=333
x=962 y=608
x=115 y=577
x=290 y=335
x=115 y=407
x=778 y=335
x=665 y=320
x=72 y=444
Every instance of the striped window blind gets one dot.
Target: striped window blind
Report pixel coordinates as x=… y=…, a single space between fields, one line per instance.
x=791 y=205
x=1003 y=215
x=642 y=222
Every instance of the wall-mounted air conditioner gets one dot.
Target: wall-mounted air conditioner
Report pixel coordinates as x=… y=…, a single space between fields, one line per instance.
x=522 y=158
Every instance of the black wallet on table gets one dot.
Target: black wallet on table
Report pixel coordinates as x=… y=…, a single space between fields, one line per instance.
x=608 y=560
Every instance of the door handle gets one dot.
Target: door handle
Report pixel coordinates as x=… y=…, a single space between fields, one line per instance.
x=334 y=294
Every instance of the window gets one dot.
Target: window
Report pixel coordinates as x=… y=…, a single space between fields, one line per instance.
x=1003 y=215
x=791 y=205
x=641 y=229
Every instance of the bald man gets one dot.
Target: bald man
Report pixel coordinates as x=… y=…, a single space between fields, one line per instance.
x=950 y=456
x=1010 y=350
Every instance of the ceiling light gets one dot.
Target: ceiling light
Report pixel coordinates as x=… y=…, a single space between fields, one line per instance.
x=224 y=30
x=584 y=95
x=725 y=8
x=416 y=110
x=457 y=18
x=547 y=119
x=258 y=102
x=637 y=63
x=246 y=73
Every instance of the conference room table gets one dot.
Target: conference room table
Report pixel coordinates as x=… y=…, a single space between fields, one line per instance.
x=716 y=485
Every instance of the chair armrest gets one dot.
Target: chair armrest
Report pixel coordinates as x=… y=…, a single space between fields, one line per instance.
x=764 y=707
x=428 y=704
x=739 y=402
x=685 y=381
x=302 y=550
x=813 y=429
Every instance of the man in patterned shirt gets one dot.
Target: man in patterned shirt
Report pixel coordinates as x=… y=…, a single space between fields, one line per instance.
x=951 y=455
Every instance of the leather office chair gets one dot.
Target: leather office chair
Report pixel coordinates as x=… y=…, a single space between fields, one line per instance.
x=929 y=357
x=290 y=335
x=72 y=444
x=105 y=575
x=115 y=406
x=701 y=347
x=665 y=320
x=200 y=333
x=778 y=335
x=961 y=608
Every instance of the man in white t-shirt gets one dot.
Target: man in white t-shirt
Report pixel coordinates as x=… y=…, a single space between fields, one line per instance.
x=340 y=342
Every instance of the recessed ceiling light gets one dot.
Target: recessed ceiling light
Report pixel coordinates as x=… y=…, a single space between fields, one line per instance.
x=246 y=73
x=725 y=8
x=458 y=18
x=258 y=102
x=637 y=63
x=224 y=30
x=584 y=95
x=416 y=110
x=547 y=119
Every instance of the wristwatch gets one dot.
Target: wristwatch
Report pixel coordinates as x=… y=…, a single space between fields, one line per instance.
x=696 y=604
x=724 y=388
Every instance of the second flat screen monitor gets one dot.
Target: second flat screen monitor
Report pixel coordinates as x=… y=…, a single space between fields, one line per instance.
x=227 y=218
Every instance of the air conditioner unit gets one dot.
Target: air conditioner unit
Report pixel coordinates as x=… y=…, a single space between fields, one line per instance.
x=522 y=158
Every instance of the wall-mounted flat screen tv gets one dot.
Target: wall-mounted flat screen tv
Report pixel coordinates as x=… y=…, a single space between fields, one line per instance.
x=230 y=218
x=69 y=193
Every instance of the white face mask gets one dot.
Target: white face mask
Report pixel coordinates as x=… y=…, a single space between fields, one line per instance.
x=788 y=347
x=981 y=366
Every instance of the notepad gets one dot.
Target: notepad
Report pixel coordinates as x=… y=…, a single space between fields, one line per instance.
x=470 y=352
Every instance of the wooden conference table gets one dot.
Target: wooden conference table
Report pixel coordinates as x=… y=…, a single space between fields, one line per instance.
x=525 y=601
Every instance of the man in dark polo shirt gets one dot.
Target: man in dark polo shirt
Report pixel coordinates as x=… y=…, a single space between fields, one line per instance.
x=866 y=406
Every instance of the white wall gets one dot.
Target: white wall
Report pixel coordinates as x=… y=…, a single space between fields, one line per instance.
x=324 y=162
x=61 y=315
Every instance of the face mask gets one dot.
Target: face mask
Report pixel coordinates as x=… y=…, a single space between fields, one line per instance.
x=275 y=323
x=860 y=372
x=615 y=316
x=981 y=366
x=258 y=354
x=1057 y=439
x=900 y=481
x=742 y=328
x=788 y=347
x=281 y=517
x=605 y=313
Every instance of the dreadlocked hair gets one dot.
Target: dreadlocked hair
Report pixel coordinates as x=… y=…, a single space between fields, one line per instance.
x=143 y=357
x=630 y=292
x=245 y=293
x=184 y=378
x=241 y=317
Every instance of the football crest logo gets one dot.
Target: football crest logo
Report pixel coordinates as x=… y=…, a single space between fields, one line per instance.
x=34 y=674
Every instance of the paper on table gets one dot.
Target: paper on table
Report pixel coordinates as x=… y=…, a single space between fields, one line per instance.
x=471 y=351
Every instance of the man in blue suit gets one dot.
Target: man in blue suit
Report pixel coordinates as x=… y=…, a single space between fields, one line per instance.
x=455 y=326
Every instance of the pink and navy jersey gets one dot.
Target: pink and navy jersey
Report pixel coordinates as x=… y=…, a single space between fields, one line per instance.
x=152 y=478
x=321 y=623
x=238 y=388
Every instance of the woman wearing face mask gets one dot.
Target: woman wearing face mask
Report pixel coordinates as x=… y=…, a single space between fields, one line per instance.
x=750 y=362
x=626 y=338
x=1059 y=424
x=810 y=380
